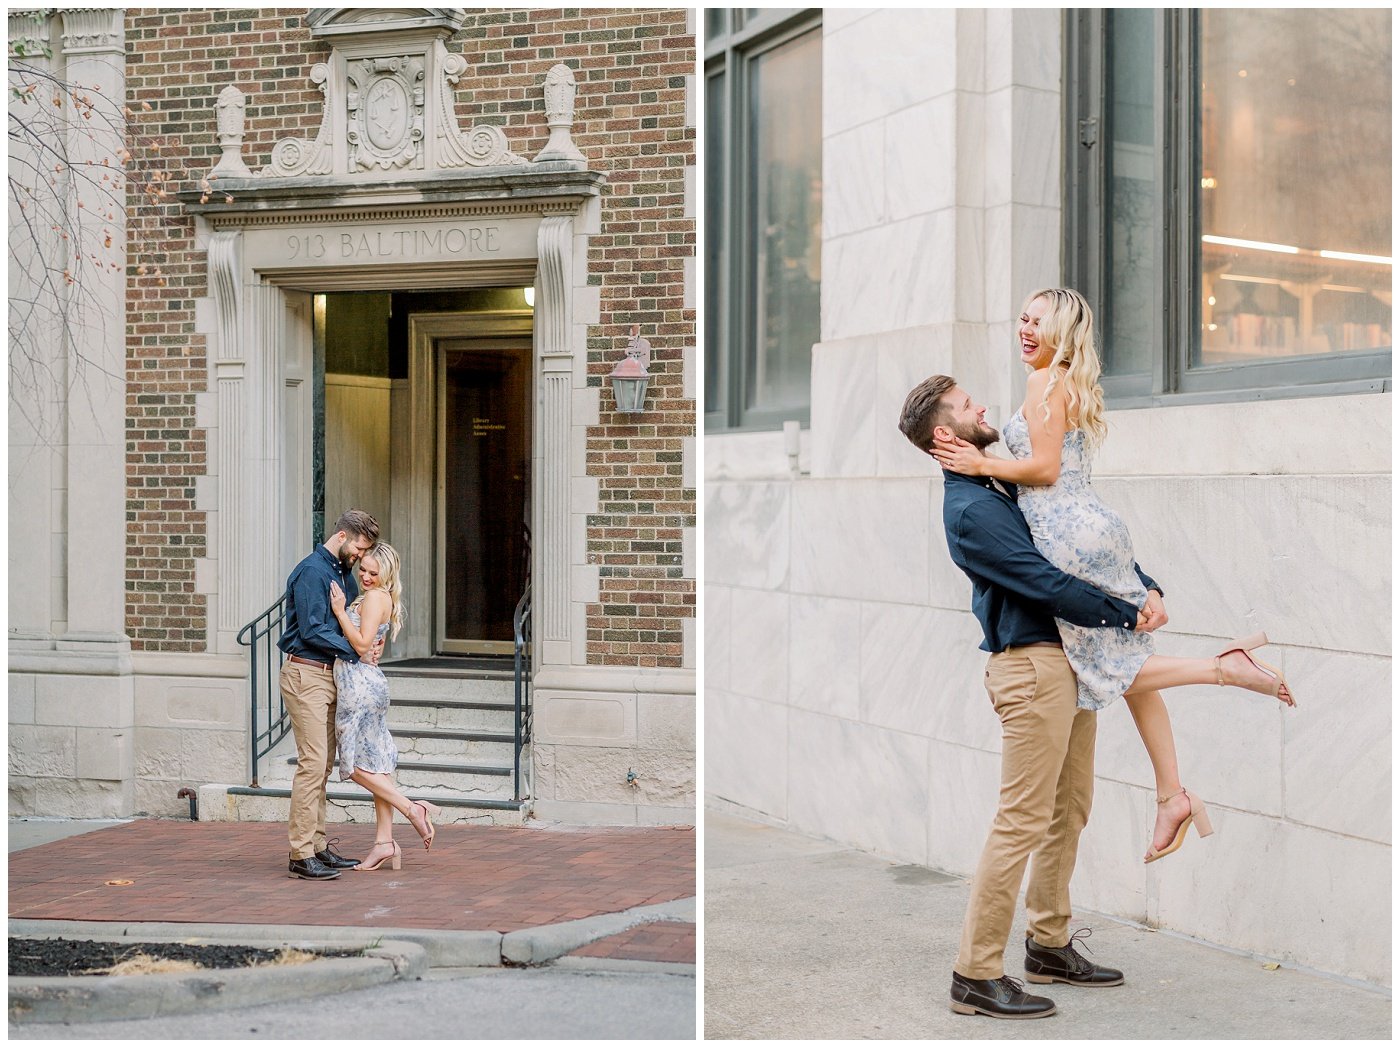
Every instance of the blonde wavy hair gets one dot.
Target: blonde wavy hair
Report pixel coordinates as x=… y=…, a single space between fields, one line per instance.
x=1068 y=329
x=389 y=582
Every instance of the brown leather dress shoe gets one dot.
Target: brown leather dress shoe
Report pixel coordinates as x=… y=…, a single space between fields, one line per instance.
x=1045 y=964
x=1002 y=998
x=332 y=858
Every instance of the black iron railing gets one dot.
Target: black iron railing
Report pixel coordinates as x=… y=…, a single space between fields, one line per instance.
x=261 y=636
x=523 y=632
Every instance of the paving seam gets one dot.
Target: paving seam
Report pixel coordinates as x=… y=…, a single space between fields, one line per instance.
x=624 y=966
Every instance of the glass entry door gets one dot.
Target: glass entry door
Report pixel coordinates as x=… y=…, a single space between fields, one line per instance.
x=483 y=485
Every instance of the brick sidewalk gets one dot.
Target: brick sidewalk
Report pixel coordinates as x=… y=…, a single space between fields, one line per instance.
x=669 y=941
x=476 y=878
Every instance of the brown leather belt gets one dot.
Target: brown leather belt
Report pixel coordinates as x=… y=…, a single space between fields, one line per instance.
x=309 y=662
x=1033 y=644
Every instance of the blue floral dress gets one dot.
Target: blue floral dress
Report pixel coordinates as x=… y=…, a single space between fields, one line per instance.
x=362 y=738
x=1082 y=537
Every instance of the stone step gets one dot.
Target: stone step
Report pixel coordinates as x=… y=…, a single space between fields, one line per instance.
x=452 y=746
x=484 y=667
x=406 y=687
x=348 y=803
x=406 y=730
x=453 y=715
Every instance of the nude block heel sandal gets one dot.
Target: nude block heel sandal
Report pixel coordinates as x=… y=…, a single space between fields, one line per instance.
x=1245 y=645
x=1197 y=817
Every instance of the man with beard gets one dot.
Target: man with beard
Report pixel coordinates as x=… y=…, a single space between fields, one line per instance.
x=1047 y=778
x=312 y=641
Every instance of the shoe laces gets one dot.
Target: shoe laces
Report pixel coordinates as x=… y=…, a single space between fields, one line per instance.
x=1078 y=938
x=1014 y=985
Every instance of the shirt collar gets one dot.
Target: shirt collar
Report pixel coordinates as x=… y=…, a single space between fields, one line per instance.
x=949 y=478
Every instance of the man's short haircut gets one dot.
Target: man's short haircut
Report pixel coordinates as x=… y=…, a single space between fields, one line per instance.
x=924 y=408
x=357 y=522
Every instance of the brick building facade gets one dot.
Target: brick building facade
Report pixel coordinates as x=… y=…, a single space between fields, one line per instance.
x=248 y=370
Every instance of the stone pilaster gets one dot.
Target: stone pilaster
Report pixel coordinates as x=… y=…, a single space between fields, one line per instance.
x=552 y=317
x=96 y=438
x=38 y=589
x=228 y=380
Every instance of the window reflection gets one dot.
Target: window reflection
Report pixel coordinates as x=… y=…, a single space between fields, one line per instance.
x=1133 y=189
x=1295 y=183
x=785 y=144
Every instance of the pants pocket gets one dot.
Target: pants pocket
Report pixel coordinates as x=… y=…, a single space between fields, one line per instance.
x=1011 y=683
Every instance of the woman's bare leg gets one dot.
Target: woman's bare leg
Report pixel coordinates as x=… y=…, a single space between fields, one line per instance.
x=382 y=786
x=1164 y=671
x=1154 y=725
x=383 y=832
x=1144 y=698
x=383 y=820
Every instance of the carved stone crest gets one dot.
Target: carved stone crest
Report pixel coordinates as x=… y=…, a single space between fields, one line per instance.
x=384 y=106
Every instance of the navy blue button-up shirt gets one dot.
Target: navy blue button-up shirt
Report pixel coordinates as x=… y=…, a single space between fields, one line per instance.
x=1016 y=593
x=310 y=629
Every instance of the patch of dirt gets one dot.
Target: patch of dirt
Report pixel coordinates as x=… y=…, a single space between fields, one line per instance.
x=86 y=957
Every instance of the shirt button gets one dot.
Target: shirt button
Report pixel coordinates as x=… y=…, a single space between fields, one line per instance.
x=1103 y=622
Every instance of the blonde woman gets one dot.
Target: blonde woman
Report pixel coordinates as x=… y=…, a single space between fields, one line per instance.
x=366 y=750
x=1053 y=436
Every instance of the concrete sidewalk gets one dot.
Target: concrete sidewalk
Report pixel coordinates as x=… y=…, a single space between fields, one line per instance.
x=806 y=938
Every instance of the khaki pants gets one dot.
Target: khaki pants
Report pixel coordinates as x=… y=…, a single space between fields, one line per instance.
x=1047 y=786
x=309 y=693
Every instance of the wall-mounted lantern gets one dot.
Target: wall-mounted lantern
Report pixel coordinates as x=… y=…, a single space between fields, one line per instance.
x=630 y=377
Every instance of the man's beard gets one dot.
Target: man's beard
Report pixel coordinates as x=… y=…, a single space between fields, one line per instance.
x=980 y=437
x=347 y=557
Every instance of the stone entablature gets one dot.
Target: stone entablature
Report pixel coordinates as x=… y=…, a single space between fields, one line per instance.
x=389 y=105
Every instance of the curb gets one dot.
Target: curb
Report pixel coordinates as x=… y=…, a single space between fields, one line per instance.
x=100 y=998
x=440 y=949
x=540 y=945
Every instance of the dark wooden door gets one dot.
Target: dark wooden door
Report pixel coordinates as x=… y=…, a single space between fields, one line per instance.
x=483 y=491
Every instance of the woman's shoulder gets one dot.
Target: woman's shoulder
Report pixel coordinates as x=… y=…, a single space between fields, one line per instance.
x=1040 y=377
x=1039 y=386
x=376 y=596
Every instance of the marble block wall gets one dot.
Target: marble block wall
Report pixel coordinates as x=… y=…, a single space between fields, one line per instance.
x=940 y=212
x=843 y=685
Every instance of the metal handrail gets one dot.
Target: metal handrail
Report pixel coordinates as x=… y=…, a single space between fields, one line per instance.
x=258 y=637
x=523 y=632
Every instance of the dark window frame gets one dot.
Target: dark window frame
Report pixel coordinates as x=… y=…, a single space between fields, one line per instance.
x=730 y=330
x=1176 y=298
